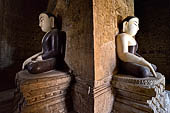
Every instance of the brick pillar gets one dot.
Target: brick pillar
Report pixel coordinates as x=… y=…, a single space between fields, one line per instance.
x=106 y=16
x=91 y=27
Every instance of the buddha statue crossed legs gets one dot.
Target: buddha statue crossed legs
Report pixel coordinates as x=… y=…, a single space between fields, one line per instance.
x=53 y=47
x=130 y=62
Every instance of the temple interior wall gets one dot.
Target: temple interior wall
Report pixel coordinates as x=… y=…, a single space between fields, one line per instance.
x=20 y=36
x=154 y=36
x=78 y=25
x=106 y=16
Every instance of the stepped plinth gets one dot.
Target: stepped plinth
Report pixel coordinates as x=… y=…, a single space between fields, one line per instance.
x=139 y=95
x=45 y=92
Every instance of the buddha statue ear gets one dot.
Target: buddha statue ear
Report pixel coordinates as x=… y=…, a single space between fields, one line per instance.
x=125 y=24
x=52 y=22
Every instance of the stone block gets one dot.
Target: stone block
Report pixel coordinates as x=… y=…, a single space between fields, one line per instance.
x=45 y=92
x=83 y=101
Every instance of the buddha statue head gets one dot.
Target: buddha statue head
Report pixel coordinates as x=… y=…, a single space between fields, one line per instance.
x=46 y=21
x=130 y=25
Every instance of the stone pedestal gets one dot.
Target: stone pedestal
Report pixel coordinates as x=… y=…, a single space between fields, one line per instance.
x=46 y=92
x=139 y=95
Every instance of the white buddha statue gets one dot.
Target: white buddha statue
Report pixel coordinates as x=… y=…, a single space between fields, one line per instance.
x=130 y=62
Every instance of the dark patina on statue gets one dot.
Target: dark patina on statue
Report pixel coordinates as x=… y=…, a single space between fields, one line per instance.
x=53 y=47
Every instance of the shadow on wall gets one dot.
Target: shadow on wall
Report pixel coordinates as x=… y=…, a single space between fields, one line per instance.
x=154 y=36
x=20 y=36
x=6 y=52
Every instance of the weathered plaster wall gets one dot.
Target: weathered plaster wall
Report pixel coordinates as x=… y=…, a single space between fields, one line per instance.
x=154 y=33
x=20 y=36
x=77 y=23
x=107 y=15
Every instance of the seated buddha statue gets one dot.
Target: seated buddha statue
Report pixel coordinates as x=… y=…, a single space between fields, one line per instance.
x=130 y=62
x=53 y=47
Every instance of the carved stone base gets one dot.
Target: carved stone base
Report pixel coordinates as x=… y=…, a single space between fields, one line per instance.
x=82 y=98
x=95 y=98
x=45 y=92
x=103 y=96
x=139 y=95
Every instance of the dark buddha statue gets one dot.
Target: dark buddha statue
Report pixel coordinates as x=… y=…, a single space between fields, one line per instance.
x=53 y=47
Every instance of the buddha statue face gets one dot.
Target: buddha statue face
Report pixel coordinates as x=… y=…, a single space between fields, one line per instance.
x=131 y=27
x=45 y=22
